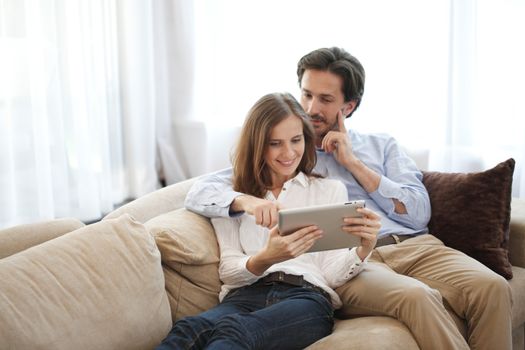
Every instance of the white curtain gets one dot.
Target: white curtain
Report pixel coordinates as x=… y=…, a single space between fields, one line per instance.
x=443 y=77
x=156 y=76
x=100 y=99
x=485 y=119
x=60 y=110
x=88 y=91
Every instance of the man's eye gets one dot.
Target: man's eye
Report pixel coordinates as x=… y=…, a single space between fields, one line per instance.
x=296 y=140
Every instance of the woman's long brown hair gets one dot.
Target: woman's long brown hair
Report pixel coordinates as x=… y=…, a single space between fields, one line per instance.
x=251 y=174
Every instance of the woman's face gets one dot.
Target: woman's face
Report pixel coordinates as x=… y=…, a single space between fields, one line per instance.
x=285 y=149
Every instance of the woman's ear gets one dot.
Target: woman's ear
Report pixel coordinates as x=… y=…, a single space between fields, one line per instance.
x=348 y=108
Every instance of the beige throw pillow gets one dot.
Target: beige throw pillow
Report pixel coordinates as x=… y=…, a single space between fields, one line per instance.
x=190 y=258
x=18 y=238
x=99 y=287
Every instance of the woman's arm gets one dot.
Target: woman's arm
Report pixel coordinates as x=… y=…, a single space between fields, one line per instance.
x=281 y=248
x=232 y=265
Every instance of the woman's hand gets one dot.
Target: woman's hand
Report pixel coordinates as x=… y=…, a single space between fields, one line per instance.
x=281 y=248
x=264 y=211
x=367 y=227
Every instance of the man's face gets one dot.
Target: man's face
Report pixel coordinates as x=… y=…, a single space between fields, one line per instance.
x=322 y=98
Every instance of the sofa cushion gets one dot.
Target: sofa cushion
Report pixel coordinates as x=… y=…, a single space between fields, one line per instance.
x=99 y=287
x=190 y=258
x=517 y=287
x=371 y=333
x=517 y=232
x=471 y=213
x=187 y=298
x=155 y=203
x=18 y=238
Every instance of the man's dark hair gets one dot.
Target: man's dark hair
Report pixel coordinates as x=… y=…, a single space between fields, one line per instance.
x=339 y=62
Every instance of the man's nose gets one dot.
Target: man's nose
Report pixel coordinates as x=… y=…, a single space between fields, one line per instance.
x=312 y=107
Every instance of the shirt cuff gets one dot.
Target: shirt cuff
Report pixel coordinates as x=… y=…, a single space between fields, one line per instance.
x=355 y=263
x=246 y=275
x=357 y=260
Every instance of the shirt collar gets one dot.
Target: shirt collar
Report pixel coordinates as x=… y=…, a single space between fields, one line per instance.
x=300 y=178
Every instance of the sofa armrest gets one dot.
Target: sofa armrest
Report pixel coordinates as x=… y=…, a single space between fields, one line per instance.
x=155 y=203
x=18 y=238
x=517 y=232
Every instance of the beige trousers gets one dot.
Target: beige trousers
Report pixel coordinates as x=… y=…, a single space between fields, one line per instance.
x=414 y=280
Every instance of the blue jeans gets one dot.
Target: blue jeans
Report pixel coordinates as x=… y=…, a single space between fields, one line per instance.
x=258 y=316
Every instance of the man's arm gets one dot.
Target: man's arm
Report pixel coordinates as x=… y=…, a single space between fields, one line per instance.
x=397 y=188
x=212 y=195
x=402 y=182
x=370 y=181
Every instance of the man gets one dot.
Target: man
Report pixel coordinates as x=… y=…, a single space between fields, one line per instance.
x=411 y=275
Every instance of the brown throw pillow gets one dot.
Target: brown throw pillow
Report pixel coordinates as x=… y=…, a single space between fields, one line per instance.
x=471 y=213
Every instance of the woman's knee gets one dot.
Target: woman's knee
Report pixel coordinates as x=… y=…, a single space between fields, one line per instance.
x=234 y=327
x=248 y=332
x=188 y=332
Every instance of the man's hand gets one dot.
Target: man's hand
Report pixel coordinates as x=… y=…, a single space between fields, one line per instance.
x=338 y=143
x=281 y=248
x=264 y=211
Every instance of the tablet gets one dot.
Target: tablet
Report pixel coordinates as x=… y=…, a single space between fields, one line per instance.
x=329 y=218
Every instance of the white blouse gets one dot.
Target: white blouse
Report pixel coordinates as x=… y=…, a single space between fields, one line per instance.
x=239 y=238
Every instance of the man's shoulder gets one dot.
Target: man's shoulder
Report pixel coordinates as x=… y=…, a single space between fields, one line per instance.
x=377 y=137
x=373 y=143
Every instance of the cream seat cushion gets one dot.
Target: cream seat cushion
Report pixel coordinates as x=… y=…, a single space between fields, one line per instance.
x=99 y=287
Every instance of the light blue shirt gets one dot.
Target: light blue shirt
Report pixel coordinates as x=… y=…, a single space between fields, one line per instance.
x=212 y=195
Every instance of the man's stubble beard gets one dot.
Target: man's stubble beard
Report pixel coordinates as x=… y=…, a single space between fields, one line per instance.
x=320 y=134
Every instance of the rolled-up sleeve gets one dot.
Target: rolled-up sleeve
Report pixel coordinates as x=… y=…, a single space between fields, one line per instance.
x=340 y=265
x=402 y=180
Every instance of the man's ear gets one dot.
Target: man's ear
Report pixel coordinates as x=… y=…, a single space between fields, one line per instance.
x=348 y=108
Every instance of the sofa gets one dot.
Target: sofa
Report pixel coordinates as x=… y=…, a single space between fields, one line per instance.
x=121 y=282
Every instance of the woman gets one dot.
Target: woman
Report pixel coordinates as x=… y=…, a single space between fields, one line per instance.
x=275 y=294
